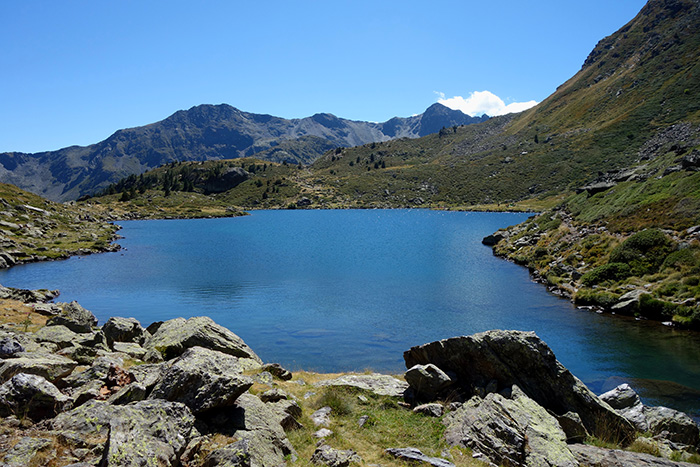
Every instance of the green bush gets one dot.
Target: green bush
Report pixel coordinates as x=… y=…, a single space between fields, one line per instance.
x=644 y=251
x=679 y=259
x=592 y=297
x=606 y=272
x=652 y=308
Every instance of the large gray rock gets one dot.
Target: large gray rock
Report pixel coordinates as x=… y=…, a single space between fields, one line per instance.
x=515 y=432
x=382 y=385
x=124 y=330
x=662 y=422
x=501 y=359
x=97 y=372
x=202 y=379
x=175 y=336
x=592 y=456
x=57 y=334
x=427 y=381
x=672 y=425
x=52 y=367
x=30 y=396
x=148 y=431
x=415 y=455
x=74 y=317
x=252 y=420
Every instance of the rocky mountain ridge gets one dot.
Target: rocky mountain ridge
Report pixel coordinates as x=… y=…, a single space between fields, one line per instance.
x=206 y=132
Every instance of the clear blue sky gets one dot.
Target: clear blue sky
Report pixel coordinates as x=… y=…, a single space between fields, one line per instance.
x=73 y=72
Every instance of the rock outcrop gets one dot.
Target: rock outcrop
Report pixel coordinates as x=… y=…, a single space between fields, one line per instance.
x=495 y=361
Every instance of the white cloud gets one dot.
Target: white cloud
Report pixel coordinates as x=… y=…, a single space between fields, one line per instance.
x=483 y=102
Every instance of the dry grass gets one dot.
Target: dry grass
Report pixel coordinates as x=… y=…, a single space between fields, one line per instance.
x=20 y=316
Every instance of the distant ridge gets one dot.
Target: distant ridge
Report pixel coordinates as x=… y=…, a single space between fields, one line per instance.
x=206 y=132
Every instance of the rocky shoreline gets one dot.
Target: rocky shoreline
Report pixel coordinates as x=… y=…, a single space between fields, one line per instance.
x=188 y=392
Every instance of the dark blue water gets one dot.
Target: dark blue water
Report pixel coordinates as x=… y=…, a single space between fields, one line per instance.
x=351 y=290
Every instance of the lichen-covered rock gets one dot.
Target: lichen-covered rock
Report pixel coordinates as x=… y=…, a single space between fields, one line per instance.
x=382 y=385
x=202 y=379
x=57 y=334
x=516 y=432
x=326 y=455
x=321 y=417
x=427 y=381
x=175 y=336
x=235 y=454
x=124 y=330
x=255 y=421
x=501 y=359
x=24 y=452
x=30 y=396
x=52 y=367
x=131 y=349
x=74 y=317
x=153 y=430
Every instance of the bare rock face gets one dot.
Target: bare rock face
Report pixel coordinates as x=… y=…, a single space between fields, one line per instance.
x=175 y=336
x=497 y=360
x=202 y=379
x=515 y=431
x=427 y=381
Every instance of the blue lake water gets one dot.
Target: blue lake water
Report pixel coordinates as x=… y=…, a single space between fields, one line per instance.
x=351 y=290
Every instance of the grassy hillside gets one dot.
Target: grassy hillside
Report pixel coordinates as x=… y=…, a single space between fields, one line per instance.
x=34 y=229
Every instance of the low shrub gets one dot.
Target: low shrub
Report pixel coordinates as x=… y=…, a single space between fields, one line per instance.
x=596 y=298
x=680 y=259
x=644 y=251
x=606 y=272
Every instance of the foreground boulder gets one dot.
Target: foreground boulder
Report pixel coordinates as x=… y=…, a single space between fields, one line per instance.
x=156 y=431
x=202 y=379
x=31 y=396
x=175 y=336
x=494 y=361
x=515 y=431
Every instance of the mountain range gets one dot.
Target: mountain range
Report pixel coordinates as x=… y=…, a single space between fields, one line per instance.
x=206 y=132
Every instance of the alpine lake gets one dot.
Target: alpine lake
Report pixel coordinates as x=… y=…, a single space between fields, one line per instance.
x=351 y=290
